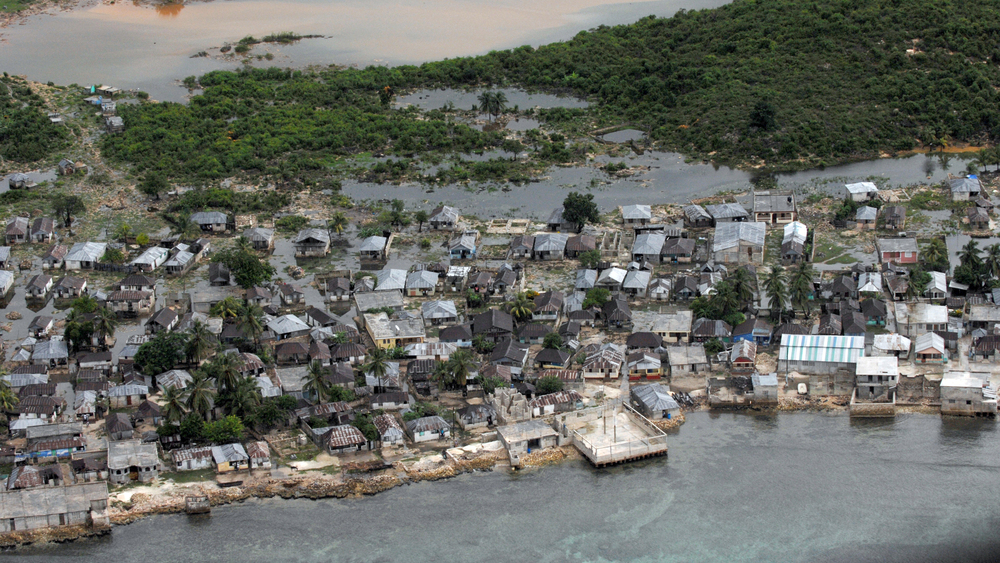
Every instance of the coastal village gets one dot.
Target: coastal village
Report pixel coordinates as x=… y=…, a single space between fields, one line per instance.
x=168 y=373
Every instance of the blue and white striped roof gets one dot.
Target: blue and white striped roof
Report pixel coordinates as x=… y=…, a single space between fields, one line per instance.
x=821 y=348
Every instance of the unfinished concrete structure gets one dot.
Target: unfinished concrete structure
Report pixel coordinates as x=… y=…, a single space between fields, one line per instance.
x=84 y=504
x=612 y=433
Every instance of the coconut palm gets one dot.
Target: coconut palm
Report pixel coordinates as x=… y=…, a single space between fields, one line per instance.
x=8 y=399
x=242 y=399
x=184 y=228
x=244 y=244
x=316 y=381
x=378 y=364
x=486 y=102
x=935 y=252
x=229 y=308
x=200 y=343
x=993 y=260
x=338 y=223
x=251 y=322
x=443 y=374
x=461 y=365
x=776 y=287
x=199 y=394
x=105 y=324
x=173 y=404
x=724 y=299
x=740 y=281
x=969 y=255
x=801 y=286
x=226 y=369
x=521 y=307
x=983 y=157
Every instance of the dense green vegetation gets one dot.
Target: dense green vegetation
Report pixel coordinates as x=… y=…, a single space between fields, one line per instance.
x=26 y=134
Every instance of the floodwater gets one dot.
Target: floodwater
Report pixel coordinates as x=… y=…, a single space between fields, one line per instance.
x=793 y=487
x=133 y=45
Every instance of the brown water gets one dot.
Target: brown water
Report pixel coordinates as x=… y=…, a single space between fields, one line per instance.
x=147 y=47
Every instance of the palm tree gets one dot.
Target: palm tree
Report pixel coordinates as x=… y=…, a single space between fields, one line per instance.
x=935 y=252
x=226 y=370
x=338 y=223
x=725 y=299
x=521 y=307
x=173 y=404
x=244 y=244
x=228 y=308
x=105 y=324
x=201 y=342
x=421 y=217
x=123 y=232
x=486 y=102
x=969 y=255
x=378 y=364
x=199 y=394
x=251 y=322
x=775 y=284
x=316 y=381
x=242 y=399
x=443 y=374
x=993 y=260
x=461 y=365
x=801 y=286
x=184 y=228
x=982 y=158
x=741 y=286
x=499 y=102
x=8 y=400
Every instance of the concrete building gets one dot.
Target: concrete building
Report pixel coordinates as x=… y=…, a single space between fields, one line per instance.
x=967 y=394
x=132 y=460
x=739 y=243
x=876 y=378
x=82 y=504
x=774 y=207
x=816 y=354
x=391 y=333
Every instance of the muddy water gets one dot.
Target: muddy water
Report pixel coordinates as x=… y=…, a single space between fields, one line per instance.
x=149 y=48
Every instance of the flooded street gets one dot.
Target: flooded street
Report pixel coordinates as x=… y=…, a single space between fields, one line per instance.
x=139 y=46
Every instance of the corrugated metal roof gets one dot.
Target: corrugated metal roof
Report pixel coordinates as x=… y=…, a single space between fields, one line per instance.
x=821 y=348
x=728 y=235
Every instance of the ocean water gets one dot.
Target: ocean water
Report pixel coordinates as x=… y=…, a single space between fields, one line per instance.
x=736 y=487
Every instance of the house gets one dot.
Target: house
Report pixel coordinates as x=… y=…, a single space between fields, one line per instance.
x=549 y=246
x=180 y=262
x=218 y=274
x=352 y=353
x=853 y=323
x=695 y=216
x=876 y=377
x=210 y=221
x=843 y=288
x=685 y=288
x=604 y=363
x=898 y=250
x=421 y=283
x=456 y=278
x=230 y=457
x=819 y=354
x=132 y=460
x=578 y=244
x=742 y=357
x=929 y=348
x=636 y=215
x=937 y=289
x=643 y=365
x=919 y=318
x=522 y=246
x=19 y=181
x=704 y=330
x=677 y=250
x=118 y=426
x=379 y=300
x=865 y=218
x=260 y=238
x=870 y=283
x=965 y=189
x=392 y=400
x=55 y=257
x=985 y=204
x=192 y=459
x=830 y=324
x=550 y=358
x=494 y=325
x=114 y=124
x=687 y=359
x=39 y=407
x=439 y=312
x=389 y=431
x=510 y=353
x=84 y=255
x=129 y=303
x=343 y=439
x=616 y=314
x=390 y=279
x=774 y=207
x=463 y=247
x=163 y=320
x=310 y=243
x=636 y=284
x=43 y=229
x=18 y=230
x=673 y=327
x=611 y=279
x=38 y=286
x=5 y=257
x=862 y=191
x=428 y=428
x=82 y=505
x=739 y=243
x=476 y=416
x=727 y=213
x=898 y=286
x=894 y=217
x=460 y=335
x=338 y=289
x=978 y=217
x=318 y=318
x=755 y=329
x=291 y=294
x=647 y=247
x=533 y=333
x=643 y=340
x=556 y=223
x=389 y=333
x=654 y=401
x=525 y=437
x=373 y=248
x=765 y=388
x=287 y=326
x=560 y=401
x=52 y=353
x=443 y=218
x=70 y=287
x=963 y=394
x=659 y=289
x=127 y=395
x=874 y=311
x=151 y=259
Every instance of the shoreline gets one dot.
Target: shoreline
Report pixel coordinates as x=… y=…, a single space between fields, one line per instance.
x=317 y=485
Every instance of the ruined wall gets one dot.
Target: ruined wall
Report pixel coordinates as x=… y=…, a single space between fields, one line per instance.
x=918 y=389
